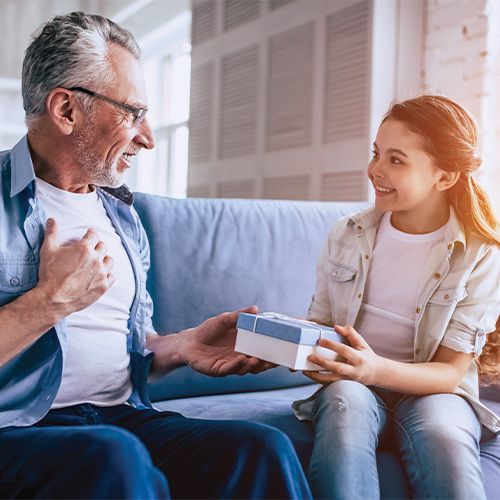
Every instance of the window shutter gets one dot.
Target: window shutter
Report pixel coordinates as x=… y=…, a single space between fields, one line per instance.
x=203 y=21
x=201 y=113
x=276 y=4
x=239 y=12
x=290 y=80
x=238 y=105
x=347 y=86
x=287 y=188
x=343 y=186
x=236 y=189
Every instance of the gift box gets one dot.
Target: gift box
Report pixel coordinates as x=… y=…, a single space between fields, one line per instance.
x=283 y=340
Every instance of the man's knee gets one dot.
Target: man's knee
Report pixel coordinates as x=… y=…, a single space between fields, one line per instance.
x=109 y=446
x=261 y=440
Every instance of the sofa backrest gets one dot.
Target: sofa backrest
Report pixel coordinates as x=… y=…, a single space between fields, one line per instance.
x=215 y=255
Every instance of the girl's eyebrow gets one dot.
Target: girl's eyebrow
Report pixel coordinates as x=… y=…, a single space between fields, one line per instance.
x=392 y=150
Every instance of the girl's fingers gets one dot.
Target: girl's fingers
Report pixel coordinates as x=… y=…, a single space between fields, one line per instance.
x=344 y=350
x=342 y=369
x=352 y=336
x=321 y=378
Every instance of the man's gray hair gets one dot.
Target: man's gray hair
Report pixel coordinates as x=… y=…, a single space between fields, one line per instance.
x=70 y=51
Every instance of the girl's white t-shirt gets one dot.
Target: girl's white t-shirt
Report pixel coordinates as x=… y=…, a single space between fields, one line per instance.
x=96 y=365
x=387 y=315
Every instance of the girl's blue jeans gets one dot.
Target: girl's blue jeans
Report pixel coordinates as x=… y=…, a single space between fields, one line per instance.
x=437 y=437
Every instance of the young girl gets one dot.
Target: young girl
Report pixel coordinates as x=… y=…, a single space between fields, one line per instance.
x=418 y=277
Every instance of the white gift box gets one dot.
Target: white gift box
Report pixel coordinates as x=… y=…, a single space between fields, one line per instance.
x=283 y=340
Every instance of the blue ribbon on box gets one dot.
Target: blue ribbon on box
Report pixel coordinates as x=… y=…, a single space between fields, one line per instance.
x=286 y=328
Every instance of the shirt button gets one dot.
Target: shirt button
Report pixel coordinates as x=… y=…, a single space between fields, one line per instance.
x=437 y=275
x=367 y=257
x=360 y=227
x=360 y=295
x=14 y=281
x=417 y=351
x=446 y=296
x=418 y=310
x=128 y=231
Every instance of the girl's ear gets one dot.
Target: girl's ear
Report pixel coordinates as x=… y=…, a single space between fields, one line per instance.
x=446 y=180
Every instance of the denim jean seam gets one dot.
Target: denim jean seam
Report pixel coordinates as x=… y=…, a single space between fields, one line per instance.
x=401 y=400
x=421 y=479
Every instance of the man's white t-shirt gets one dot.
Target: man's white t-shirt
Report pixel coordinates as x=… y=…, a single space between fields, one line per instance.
x=96 y=366
x=387 y=315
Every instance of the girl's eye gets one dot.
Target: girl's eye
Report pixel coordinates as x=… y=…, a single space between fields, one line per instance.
x=396 y=161
x=374 y=154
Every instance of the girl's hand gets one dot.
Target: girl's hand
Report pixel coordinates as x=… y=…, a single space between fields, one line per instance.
x=361 y=362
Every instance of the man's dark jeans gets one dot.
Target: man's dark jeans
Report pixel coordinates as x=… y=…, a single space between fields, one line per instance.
x=85 y=451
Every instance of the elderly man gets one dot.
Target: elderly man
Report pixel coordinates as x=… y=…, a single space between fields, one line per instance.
x=76 y=338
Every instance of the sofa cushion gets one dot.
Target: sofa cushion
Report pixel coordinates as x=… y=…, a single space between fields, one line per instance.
x=210 y=256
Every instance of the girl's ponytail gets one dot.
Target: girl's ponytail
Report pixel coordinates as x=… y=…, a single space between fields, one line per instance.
x=473 y=208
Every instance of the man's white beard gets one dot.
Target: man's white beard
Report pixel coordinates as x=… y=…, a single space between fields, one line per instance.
x=101 y=173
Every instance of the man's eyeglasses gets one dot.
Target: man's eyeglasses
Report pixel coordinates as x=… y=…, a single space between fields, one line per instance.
x=136 y=115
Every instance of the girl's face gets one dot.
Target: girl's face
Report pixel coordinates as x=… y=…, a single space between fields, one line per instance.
x=405 y=178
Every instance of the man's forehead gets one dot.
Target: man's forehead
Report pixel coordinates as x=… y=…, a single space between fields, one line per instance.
x=129 y=84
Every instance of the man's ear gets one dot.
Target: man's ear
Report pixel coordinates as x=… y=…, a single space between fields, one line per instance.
x=62 y=109
x=446 y=180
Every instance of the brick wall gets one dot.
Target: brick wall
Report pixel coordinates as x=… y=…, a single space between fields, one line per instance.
x=461 y=60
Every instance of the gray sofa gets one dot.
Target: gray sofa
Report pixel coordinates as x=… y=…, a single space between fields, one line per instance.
x=209 y=256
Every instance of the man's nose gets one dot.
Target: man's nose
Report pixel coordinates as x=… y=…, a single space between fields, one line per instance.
x=145 y=135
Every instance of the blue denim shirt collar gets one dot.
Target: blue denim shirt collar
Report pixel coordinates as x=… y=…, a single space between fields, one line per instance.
x=23 y=173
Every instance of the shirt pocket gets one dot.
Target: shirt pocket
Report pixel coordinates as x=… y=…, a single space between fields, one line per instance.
x=440 y=308
x=448 y=296
x=341 y=279
x=16 y=278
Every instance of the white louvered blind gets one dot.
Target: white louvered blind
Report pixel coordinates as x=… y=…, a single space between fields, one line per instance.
x=347 y=86
x=236 y=189
x=239 y=12
x=199 y=191
x=238 y=103
x=343 y=186
x=276 y=4
x=292 y=103
x=287 y=188
x=201 y=113
x=290 y=79
x=203 y=21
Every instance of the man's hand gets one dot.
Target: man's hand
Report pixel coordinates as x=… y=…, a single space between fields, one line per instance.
x=207 y=348
x=361 y=362
x=74 y=275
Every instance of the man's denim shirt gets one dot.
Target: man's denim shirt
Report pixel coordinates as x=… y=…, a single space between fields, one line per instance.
x=29 y=382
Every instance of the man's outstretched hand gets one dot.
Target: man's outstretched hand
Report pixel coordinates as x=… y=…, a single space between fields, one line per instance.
x=208 y=348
